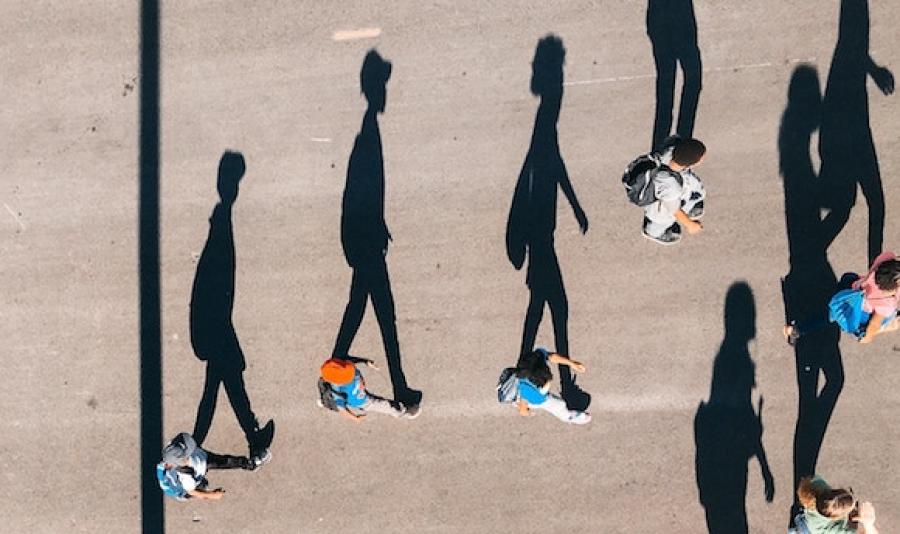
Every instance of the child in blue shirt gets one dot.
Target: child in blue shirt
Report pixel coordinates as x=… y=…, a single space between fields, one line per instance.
x=534 y=374
x=350 y=395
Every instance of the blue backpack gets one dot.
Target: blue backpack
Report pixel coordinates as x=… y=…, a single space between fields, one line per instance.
x=845 y=309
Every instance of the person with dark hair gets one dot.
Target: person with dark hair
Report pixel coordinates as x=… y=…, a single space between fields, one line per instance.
x=828 y=510
x=679 y=193
x=880 y=299
x=533 y=371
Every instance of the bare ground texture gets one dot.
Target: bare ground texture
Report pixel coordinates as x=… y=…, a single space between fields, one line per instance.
x=269 y=79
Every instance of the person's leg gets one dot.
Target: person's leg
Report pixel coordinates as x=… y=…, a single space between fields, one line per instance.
x=207 y=406
x=692 y=69
x=381 y=405
x=557 y=407
x=873 y=192
x=385 y=312
x=227 y=461
x=665 y=91
x=353 y=314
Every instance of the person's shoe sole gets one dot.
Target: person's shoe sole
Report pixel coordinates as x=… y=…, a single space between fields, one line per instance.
x=656 y=240
x=412 y=412
x=261 y=461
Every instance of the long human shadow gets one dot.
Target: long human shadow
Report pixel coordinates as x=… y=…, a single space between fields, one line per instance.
x=364 y=232
x=212 y=331
x=532 y=216
x=845 y=139
x=672 y=28
x=727 y=429
x=811 y=282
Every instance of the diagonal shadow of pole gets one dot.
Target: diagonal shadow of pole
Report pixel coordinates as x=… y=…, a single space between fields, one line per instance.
x=152 y=514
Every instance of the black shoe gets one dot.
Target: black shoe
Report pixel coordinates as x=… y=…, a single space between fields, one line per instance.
x=671 y=236
x=261 y=439
x=260 y=459
x=696 y=212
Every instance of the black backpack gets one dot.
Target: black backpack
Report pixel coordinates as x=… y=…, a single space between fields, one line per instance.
x=638 y=179
x=327 y=395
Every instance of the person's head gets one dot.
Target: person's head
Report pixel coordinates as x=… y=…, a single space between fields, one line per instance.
x=231 y=170
x=373 y=78
x=688 y=153
x=547 y=66
x=887 y=275
x=178 y=452
x=337 y=371
x=833 y=503
x=533 y=366
x=740 y=312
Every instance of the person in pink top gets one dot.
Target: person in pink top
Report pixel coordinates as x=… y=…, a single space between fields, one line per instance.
x=881 y=297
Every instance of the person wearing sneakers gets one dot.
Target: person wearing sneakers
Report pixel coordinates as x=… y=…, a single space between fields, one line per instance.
x=348 y=394
x=182 y=472
x=533 y=371
x=678 y=191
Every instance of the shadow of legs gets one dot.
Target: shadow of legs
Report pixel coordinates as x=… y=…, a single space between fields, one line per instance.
x=383 y=302
x=353 y=315
x=207 y=407
x=665 y=93
x=692 y=68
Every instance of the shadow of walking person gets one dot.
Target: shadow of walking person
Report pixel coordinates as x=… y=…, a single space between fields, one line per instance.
x=364 y=232
x=727 y=430
x=532 y=217
x=845 y=139
x=212 y=331
x=672 y=28
x=811 y=282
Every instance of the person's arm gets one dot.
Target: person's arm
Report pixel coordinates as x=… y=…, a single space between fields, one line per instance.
x=693 y=227
x=352 y=416
x=882 y=76
x=562 y=360
x=355 y=361
x=874 y=328
x=567 y=190
x=207 y=495
x=524 y=411
x=866 y=519
x=768 y=479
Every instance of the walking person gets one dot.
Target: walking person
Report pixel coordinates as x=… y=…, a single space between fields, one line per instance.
x=532 y=218
x=342 y=388
x=874 y=308
x=678 y=192
x=365 y=235
x=533 y=372
x=828 y=510
x=672 y=28
x=182 y=471
x=213 y=336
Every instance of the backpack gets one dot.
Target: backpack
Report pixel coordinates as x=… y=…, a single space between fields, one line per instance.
x=327 y=395
x=508 y=386
x=639 y=174
x=845 y=309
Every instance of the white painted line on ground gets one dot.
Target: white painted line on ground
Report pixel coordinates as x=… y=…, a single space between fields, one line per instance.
x=614 y=79
x=15 y=216
x=353 y=35
x=320 y=139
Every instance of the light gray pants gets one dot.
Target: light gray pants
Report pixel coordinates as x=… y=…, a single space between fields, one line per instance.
x=379 y=405
x=556 y=406
x=661 y=215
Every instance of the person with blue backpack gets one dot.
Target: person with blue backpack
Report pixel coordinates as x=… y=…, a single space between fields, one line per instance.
x=664 y=184
x=865 y=309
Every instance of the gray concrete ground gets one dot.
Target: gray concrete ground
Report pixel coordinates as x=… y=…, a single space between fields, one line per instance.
x=269 y=80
